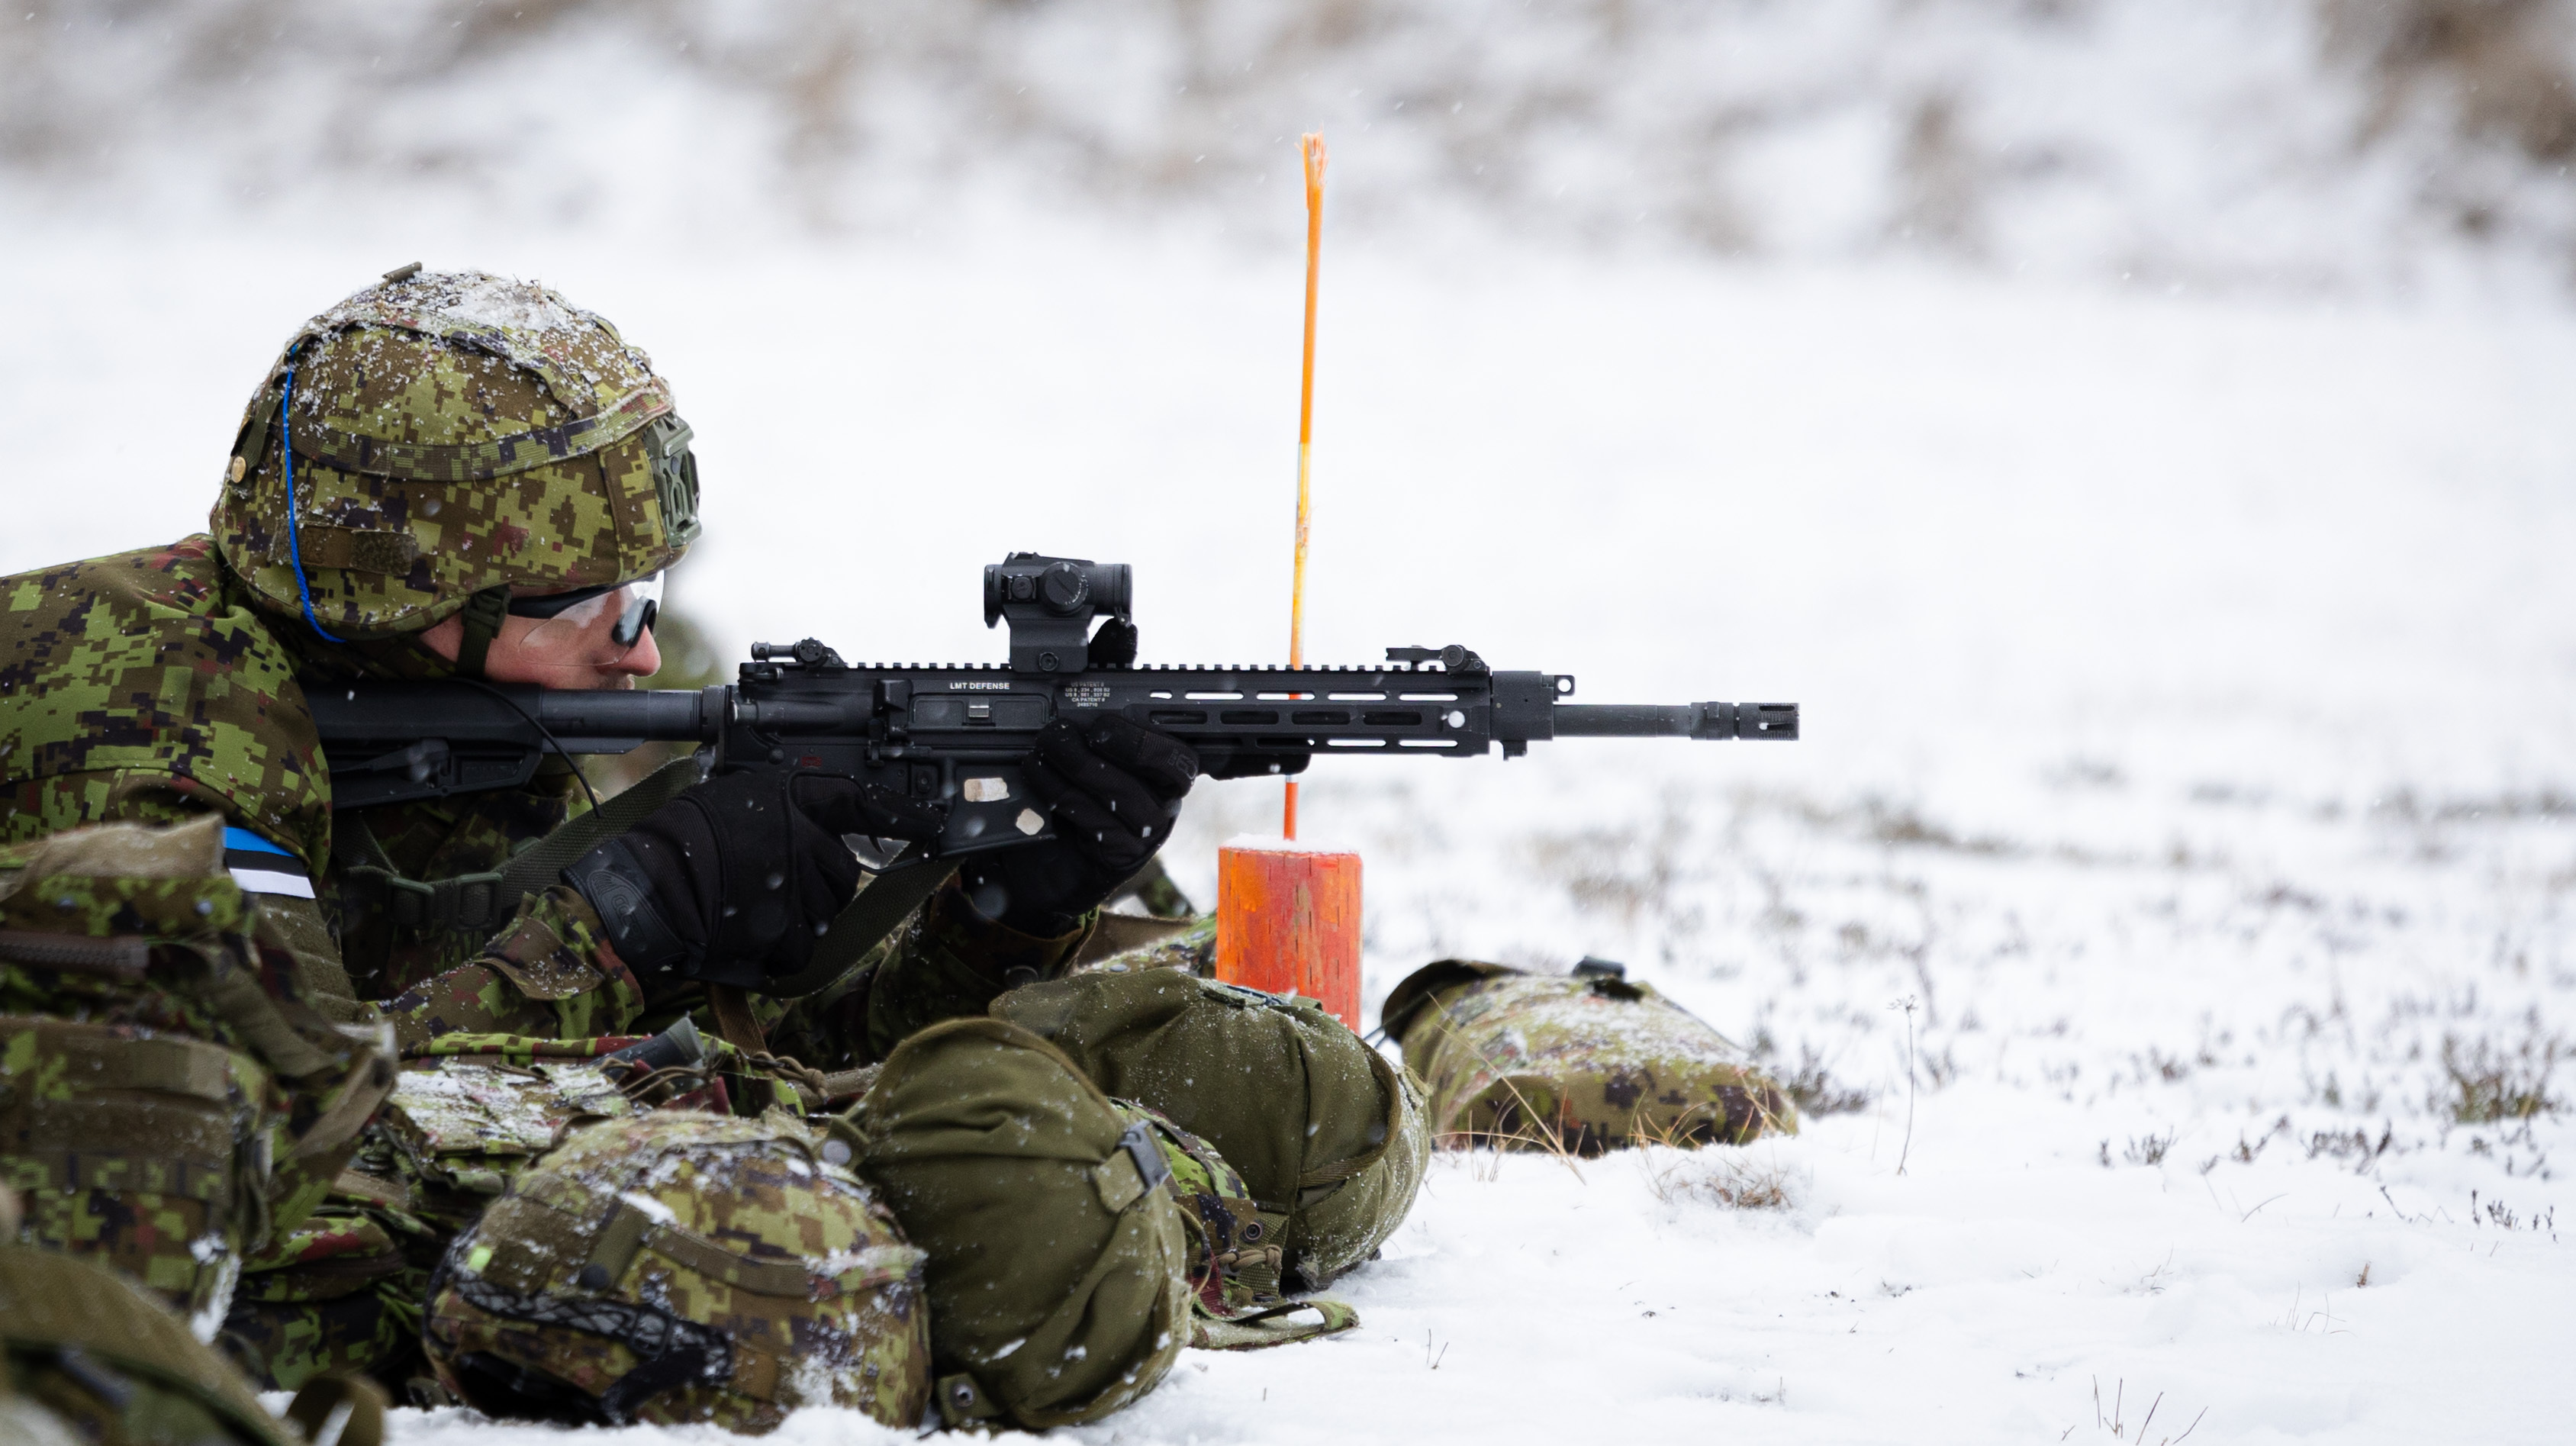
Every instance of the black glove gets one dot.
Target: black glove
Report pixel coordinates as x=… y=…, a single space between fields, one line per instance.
x=1111 y=790
x=731 y=881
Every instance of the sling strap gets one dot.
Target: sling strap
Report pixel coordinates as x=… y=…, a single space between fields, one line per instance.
x=884 y=901
x=479 y=904
x=482 y=616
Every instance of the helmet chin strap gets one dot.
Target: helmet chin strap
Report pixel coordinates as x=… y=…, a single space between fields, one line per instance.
x=482 y=615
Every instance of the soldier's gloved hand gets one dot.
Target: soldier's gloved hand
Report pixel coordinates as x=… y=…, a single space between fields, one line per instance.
x=731 y=881
x=1111 y=790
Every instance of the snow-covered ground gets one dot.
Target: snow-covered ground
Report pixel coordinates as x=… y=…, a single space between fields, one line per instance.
x=2187 y=691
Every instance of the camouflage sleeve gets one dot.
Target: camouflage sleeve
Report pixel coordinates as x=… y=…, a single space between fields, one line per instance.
x=551 y=974
x=946 y=963
x=40 y=808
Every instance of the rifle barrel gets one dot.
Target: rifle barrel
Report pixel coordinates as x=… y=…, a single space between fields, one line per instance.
x=1677 y=720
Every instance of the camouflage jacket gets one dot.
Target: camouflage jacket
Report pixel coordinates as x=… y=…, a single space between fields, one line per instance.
x=146 y=687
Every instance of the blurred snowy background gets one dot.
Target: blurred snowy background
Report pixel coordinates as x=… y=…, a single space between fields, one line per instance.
x=2138 y=433
x=2347 y=145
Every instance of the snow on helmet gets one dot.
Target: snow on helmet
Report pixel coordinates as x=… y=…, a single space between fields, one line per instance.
x=440 y=435
x=684 y=1267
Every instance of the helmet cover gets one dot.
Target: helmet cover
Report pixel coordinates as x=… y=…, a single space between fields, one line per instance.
x=447 y=433
x=682 y=1267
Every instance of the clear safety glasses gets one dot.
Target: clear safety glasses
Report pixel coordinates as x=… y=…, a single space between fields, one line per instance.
x=599 y=624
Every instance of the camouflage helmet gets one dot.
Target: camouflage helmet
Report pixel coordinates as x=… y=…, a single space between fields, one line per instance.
x=684 y=1267
x=447 y=435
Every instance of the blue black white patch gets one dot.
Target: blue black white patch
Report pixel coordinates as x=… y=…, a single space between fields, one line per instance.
x=261 y=867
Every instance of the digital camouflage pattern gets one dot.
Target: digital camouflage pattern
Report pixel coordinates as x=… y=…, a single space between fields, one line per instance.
x=466 y=1126
x=550 y=974
x=682 y=1267
x=340 y=1294
x=145 y=687
x=1058 y=1284
x=1329 y=1135
x=166 y=1097
x=1586 y=1063
x=440 y=839
x=343 y=1293
x=1233 y=1271
x=87 y=1360
x=453 y=432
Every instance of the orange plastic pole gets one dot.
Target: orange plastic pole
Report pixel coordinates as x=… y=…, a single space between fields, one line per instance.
x=1310 y=149
x=1288 y=921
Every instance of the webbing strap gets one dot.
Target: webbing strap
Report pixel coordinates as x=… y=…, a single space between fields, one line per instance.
x=629 y=1231
x=883 y=903
x=94 y=1058
x=485 y=902
x=1254 y=1329
x=482 y=616
x=480 y=904
x=618 y=1240
x=482 y=461
x=241 y=1003
x=123 y=958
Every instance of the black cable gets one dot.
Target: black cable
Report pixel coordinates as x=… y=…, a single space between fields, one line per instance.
x=547 y=733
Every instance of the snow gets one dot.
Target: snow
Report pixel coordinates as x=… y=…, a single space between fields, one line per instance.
x=2187 y=683
x=2402 y=146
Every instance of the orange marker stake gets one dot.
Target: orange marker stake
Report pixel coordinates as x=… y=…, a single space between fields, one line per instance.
x=1288 y=921
x=1310 y=148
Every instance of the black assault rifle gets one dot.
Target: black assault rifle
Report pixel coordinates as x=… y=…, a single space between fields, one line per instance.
x=960 y=731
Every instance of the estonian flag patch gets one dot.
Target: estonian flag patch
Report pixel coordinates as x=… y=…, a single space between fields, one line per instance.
x=261 y=867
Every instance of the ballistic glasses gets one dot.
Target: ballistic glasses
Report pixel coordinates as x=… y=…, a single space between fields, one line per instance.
x=611 y=619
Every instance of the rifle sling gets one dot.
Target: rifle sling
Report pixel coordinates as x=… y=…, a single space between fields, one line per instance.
x=884 y=901
x=480 y=904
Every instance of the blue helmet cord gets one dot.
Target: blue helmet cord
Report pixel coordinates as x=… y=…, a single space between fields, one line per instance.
x=295 y=548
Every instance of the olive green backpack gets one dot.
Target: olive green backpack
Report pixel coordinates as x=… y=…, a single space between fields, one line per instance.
x=84 y=1357
x=1057 y=1273
x=1328 y=1133
x=1582 y=1062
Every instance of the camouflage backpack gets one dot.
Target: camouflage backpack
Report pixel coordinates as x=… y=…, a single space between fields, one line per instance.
x=1585 y=1062
x=1057 y=1278
x=1233 y=1270
x=167 y=1100
x=684 y=1267
x=1326 y=1131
